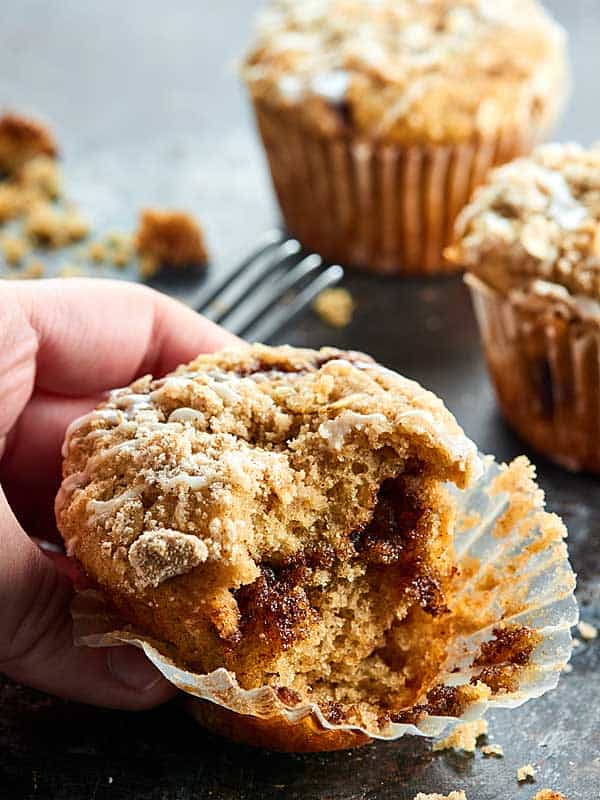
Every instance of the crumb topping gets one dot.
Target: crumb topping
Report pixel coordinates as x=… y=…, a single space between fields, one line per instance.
x=403 y=70
x=535 y=225
x=549 y=794
x=161 y=554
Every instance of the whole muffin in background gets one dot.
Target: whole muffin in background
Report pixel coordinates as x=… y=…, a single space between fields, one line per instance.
x=379 y=119
x=531 y=241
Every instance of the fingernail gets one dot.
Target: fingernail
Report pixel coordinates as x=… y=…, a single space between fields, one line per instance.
x=131 y=668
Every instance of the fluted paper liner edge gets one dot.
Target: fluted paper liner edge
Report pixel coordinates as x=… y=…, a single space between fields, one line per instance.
x=502 y=530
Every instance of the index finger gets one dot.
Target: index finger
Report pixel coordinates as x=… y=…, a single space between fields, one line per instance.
x=96 y=334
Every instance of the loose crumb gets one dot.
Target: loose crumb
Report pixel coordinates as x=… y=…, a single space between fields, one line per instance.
x=11 y=201
x=549 y=794
x=568 y=669
x=169 y=238
x=587 y=631
x=97 y=252
x=525 y=773
x=14 y=249
x=494 y=750
x=452 y=796
x=21 y=139
x=42 y=174
x=463 y=737
x=71 y=271
x=576 y=642
x=335 y=307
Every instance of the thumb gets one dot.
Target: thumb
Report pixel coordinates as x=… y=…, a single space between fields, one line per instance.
x=36 y=637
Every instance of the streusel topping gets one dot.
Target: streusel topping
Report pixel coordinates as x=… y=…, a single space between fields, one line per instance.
x=535 y=223
x=403 y=69
x=233 y=430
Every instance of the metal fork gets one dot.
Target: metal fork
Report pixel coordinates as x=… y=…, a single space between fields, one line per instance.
x=268 y=289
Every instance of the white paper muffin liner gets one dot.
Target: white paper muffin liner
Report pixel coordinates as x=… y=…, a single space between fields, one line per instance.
x=545 y=367
x=516 y=572
x=382 y=206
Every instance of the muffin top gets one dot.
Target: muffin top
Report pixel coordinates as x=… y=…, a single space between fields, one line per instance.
x=408 y=70
x=236 y=444
x=535 y=224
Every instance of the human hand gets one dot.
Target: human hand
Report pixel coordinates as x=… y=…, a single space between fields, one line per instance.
x=62 y=344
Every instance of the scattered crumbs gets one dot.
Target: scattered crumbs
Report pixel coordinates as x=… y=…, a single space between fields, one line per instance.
x=493 y=750
x=567 y=669
x=14 y=249
x=576 y=642
x=549 y=794
x=54 y=227
x=525 y=773
x=335 y=307
x=169 y=238
x=452 y=796
x=587 y=631
x=463 y=737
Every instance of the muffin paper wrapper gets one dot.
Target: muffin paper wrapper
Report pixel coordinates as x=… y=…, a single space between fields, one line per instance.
x=502 y=531
x=546 y=370
x=385 y=207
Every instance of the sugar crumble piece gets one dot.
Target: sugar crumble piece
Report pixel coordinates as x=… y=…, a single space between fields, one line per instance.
x=463 y=737
x=452 y=796
x=549 y=794
x=493 y=750
x=587 y=631
x=335 y=307
x=14 y=249
x=525 y=773
x=21 y=139
x=576 y=643
x=169 y=238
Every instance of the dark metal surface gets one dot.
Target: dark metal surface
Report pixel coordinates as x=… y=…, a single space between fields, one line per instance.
x=144 y=98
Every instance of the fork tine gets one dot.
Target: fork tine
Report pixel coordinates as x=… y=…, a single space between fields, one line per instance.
x=206 y=294
x=255 y=304
x=285 y=312
x=246 y=277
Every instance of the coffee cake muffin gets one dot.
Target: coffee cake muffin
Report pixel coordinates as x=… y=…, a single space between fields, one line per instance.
x=531 y=241
x=279 y=512
x=379 y=119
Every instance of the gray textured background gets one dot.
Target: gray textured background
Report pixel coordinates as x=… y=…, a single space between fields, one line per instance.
x=146 y=104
